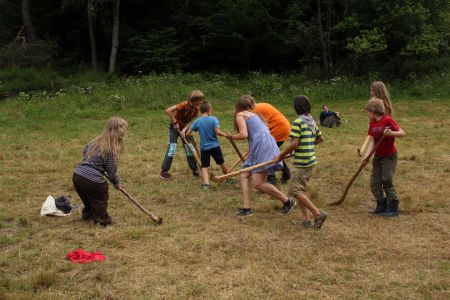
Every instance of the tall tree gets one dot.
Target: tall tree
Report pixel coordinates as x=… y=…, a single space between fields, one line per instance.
x=325 y=36
x=115 y=37
x=91 y=11
x=28 y=29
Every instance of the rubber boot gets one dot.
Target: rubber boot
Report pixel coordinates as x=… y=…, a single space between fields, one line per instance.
x=391 y=209
x=272 y=179
x=381 y=207
x=286 y=173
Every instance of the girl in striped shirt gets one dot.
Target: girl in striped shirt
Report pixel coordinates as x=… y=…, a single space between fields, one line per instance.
x=100 y=158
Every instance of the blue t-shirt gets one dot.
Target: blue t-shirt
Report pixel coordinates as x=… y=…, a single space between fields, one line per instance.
x=206 y=126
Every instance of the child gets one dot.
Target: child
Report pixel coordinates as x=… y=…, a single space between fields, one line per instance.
x=100 y=156
x=385 y=160
x=304 y=134
x=181 y=116
x=209 y=128
x=379 y=90
x=279 y=127
x=262 y=148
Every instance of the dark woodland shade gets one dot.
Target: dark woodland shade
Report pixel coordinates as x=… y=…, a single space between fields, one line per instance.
x=242 y=35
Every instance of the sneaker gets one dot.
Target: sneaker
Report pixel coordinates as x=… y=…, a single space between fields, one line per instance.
x=305 y=224
x=287 y=207
x=206 y=187
x=244 y=212
x=318 y=221
x=195 y=174
x=286 y=174
x=165 y=175
x=380 y=208
x=272 y=179
x=391 y=209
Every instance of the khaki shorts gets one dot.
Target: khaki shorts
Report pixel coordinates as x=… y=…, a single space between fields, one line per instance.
x=298 y=184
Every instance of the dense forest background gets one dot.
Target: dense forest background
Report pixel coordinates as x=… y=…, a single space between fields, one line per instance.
x=322 y=37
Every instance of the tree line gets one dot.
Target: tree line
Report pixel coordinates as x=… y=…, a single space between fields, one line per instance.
x=327 y=37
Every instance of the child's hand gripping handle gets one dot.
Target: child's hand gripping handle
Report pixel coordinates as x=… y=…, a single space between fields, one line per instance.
x=191 y=149
x=361 y=167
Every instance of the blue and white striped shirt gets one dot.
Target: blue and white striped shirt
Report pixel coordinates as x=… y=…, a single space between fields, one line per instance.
x=95 y=167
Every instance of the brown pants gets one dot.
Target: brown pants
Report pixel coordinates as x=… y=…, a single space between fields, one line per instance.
x=95 y=199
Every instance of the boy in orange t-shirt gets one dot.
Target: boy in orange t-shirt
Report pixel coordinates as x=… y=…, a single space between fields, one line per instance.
x=279 y=127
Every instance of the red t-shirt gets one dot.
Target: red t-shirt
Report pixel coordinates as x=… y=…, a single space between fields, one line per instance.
x=376 y=129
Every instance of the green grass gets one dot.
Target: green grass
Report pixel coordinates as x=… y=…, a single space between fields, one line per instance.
x=202 y=250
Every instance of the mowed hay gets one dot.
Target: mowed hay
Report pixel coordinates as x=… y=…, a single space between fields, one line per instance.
x=202 y=250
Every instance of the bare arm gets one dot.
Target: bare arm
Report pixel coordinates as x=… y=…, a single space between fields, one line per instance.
x=292 y=146
x=399 y=133
x=370 y=147
x=220 y=132
x=243 y=133
x=318 y=140
x=186 y=131
x=171 y=111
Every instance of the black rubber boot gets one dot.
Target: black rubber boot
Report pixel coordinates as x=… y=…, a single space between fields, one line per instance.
x=286 y=173
x=391 y=210
x=272 y=179
x=381 y=207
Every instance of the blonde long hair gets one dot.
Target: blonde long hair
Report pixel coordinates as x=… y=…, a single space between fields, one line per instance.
x=112 y=140
x=381 y=92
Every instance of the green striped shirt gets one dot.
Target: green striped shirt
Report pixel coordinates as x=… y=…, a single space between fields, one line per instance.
x=305 y=155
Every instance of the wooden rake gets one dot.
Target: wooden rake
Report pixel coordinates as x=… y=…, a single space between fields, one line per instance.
x=361 y=167
x=157 y=220
x=221 y=178
x=192 y=149
x=237 y=150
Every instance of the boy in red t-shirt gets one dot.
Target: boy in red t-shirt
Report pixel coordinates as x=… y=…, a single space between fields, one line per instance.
x=385 y=160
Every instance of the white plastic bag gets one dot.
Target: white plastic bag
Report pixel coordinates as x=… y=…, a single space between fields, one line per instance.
x=49 y=208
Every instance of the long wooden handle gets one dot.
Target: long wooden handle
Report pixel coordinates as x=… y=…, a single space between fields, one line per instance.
x=239 y=161
x=237 y=150
x=361 y=167
x=364 y=146
x=191 y=148
x=236 y=173
x=152 y=216
x=195 y=146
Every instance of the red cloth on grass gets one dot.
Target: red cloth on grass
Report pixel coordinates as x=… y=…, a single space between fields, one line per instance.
x=82 y=256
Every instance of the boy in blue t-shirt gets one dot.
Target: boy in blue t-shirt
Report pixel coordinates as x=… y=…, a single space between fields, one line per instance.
x=208 y=128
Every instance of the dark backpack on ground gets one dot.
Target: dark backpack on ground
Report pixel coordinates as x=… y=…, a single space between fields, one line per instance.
x=63 y=203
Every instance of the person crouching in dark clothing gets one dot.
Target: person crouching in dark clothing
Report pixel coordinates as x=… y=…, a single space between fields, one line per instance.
x=329 y=118
x=100 y=158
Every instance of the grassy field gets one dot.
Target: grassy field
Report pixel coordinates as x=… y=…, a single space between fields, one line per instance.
x=203 y=250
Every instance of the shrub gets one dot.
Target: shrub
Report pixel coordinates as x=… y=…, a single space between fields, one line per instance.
x=15 y=80
x=36 y=54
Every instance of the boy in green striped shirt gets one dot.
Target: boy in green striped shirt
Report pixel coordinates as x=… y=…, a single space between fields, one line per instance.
x=305 y=135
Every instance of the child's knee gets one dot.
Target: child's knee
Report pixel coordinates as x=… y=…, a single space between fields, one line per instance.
x=257 y=185
x=172 y=149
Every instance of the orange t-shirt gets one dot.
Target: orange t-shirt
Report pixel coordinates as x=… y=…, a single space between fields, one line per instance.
x=279 y=125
